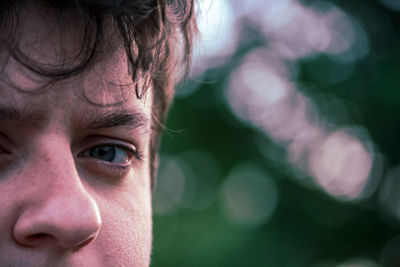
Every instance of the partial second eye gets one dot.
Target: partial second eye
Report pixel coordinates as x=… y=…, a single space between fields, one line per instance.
x=109 y=153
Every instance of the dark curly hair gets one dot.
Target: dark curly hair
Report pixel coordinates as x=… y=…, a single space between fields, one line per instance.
x=157 y=36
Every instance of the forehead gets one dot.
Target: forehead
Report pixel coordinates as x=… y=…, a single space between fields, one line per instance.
x=53 y=43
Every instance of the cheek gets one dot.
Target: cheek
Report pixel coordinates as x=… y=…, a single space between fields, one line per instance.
x=126 y=234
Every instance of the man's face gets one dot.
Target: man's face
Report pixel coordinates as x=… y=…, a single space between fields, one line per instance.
x=74 y=176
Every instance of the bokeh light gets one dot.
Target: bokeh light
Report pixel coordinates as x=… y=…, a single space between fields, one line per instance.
x=249 y=196
x=341 y=164
x=219 y=36
x=170 y=190
x=261 y=93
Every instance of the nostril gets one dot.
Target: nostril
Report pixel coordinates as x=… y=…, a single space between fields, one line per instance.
x=37 y=239
x=37 y=236
x=41 y=239
x=84 y=243
x=34 y=239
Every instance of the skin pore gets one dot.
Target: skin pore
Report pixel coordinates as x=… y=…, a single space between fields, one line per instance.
x=74 y=175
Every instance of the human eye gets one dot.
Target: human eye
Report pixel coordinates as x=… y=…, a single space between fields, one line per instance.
x=116 y=154
x=109 y=153
x=107 y=157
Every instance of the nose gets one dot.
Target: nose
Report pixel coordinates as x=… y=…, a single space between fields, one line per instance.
x=61 y=214
x=65 y=222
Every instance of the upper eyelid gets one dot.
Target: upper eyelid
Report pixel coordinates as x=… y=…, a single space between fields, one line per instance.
x=101 y=140
x=128 y=148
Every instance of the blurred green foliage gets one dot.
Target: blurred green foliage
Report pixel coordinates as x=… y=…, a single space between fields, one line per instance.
x=307 y=227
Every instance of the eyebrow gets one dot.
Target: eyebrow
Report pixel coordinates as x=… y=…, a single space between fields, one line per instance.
x=116 y=118
x=23 y=115
x=91 y=120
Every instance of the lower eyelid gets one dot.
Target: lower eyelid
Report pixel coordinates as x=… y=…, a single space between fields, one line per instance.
x=104 y=169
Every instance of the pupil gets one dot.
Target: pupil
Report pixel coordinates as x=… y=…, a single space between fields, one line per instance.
x=106 y=153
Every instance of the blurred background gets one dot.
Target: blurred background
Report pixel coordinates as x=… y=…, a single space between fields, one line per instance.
x=282 y=148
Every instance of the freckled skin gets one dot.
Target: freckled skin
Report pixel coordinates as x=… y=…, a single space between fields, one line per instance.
x=60 y=206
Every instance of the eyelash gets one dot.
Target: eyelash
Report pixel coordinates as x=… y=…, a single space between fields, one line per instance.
x=132 y=152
